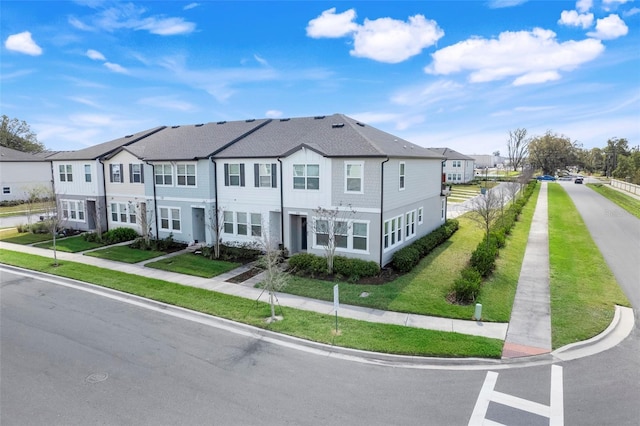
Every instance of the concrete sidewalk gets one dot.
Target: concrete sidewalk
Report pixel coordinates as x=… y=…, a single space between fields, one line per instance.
x=529 y=331
x=475 y=328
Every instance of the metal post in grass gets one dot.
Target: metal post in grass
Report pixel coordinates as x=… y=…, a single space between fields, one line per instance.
x=336 y=304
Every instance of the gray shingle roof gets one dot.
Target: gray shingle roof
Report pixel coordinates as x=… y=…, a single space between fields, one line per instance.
x=192 y=141
x=100 y=150
x=9 y=155
x=450 y=154
x=332 y=136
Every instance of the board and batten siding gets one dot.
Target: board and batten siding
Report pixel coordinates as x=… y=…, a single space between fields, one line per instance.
x=307 y=198
x=124 y=188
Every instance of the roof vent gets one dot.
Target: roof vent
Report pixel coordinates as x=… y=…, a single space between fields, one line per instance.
x=221 y=122
x=337 y=125
x=285 y=119
x=128 y=136
x=318 y=117
x=174 y=127
x=360 y=124
x=250 y=120
x=199 y=125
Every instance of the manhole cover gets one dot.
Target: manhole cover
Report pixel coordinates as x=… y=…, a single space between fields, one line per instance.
x=364 y=294
x=96 y=377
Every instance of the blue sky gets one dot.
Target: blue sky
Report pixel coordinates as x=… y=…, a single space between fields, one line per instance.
x=459 y=74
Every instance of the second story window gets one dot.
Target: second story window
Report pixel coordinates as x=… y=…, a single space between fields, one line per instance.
x=233 y=174
x=66 y=173
x=402 y=167
x=306 y=176
x=115 y=172
x=353 y=177
x=135 y=173
x=186 y=174
x=265 y=175
x=87 y=172
x=164 y=174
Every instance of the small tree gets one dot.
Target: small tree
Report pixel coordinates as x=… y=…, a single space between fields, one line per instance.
x=216 y=225
x=485 y=210
x=517 y=147
x=35 y=194
x=276 y=277
x=55 y=219
x=331 y=227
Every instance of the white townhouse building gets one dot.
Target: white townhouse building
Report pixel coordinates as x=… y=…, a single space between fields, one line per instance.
x=22 y=172
x=458 y=168
x=79 y=182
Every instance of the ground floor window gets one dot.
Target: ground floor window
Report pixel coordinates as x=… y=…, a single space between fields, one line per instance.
x=170 y=219
x=392 y=232
x=123 y=212
x=242 y=223
x=347 y=235
x=410 y=224
x=72 y=210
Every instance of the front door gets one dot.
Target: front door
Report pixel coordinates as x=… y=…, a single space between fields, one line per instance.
x=303 y=233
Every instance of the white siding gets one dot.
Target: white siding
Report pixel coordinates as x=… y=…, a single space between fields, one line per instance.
x=19 y=177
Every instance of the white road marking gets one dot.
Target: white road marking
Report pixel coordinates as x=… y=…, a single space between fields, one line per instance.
x=554 y=411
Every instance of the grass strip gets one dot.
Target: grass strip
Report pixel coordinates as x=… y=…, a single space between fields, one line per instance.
x=70 y=244
x=630 y=204
x=24 y=238
x=125 y=254
x=312 y=326
x=584 y=291
x=191 y=264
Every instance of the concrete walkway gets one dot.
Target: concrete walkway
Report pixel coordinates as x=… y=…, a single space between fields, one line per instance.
x=529 y=331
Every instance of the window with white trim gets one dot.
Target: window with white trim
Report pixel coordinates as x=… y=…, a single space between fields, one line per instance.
x=248 y=224
x=87 y=172
x=73 y=210
x=347 y=235
x=402 y=177
x=163 y=174
x=410 y=224
x=443 y=208
x=6 y=190
x=420 y=215
x=66 y=172
x=228 y=222
x=360 y=236
x=353 y=172
x=115 y=172
x=392 y=232
x=306 y=176
x=135 y=173
x=256 y=224
x=170 y=219
x=242 y=225
x=131 y=209
x=265 y=175
x=186 y=175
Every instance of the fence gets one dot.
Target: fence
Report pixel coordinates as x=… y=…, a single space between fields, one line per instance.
x=625 y=186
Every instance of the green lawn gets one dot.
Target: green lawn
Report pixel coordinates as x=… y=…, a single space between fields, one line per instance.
x=583 y=289
x=70 y=244
x=22 y=209
x=25 y=238
x=303 y=324
x=125 y=254
x=424 y=290
x=193 y=264
x=630 y=204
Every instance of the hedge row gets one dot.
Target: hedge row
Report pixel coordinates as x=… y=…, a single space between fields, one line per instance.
x=405 y=259
x=483 y=259
x=312 y=265
x=114 y=236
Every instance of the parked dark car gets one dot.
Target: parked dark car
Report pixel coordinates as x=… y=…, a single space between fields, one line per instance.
x=546 y=177
x=578 y=180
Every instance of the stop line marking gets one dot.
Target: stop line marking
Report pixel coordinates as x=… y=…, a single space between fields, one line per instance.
x=554 y=411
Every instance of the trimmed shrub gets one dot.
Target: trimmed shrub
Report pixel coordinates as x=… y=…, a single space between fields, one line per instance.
x=483 y=258
x=355 y=269
x=405 y=259
x=119 y=235
x=467 y=288
x=307 y=263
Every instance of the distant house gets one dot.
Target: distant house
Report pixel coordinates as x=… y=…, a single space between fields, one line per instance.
x=458 y=168
x=79 y=182
x=21 y=172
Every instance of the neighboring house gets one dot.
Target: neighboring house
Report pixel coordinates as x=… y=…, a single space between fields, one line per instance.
x=79 y=182
x=458 y=168
x=274 y=179
x=22 y=172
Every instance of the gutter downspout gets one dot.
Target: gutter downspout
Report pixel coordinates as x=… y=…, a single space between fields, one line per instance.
x=104 y=190
x=155 y=202
x=215 y=200
x=442 y=183
x=382 y=209
x=281 y=205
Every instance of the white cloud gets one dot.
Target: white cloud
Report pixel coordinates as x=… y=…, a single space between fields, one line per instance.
x=529 y=56
x=84 y=101
x=609 y=28
x=574 y=19
x=23 y=43
x=168 y=26
x=261 y=60
x=116 y=68
x=430 y=94
x=497 y=4
x=167 y=102
x=191 y=6
x=332 y=25
x=95 y=55
x=273 y=113
x=392 y=41
x=612 y=4
x=584 y=6
x=75 y=22
x=631 y=12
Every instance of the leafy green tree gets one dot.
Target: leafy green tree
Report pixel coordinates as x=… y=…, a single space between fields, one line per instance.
x=615 y=148
x=552 y=152
x=16 y=134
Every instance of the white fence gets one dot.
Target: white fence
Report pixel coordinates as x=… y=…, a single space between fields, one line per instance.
x=625 y=186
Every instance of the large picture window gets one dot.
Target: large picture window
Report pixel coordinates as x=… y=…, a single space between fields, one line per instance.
x=73 y=210
x=242 y=223
x=346 y=238
x=306 y=176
